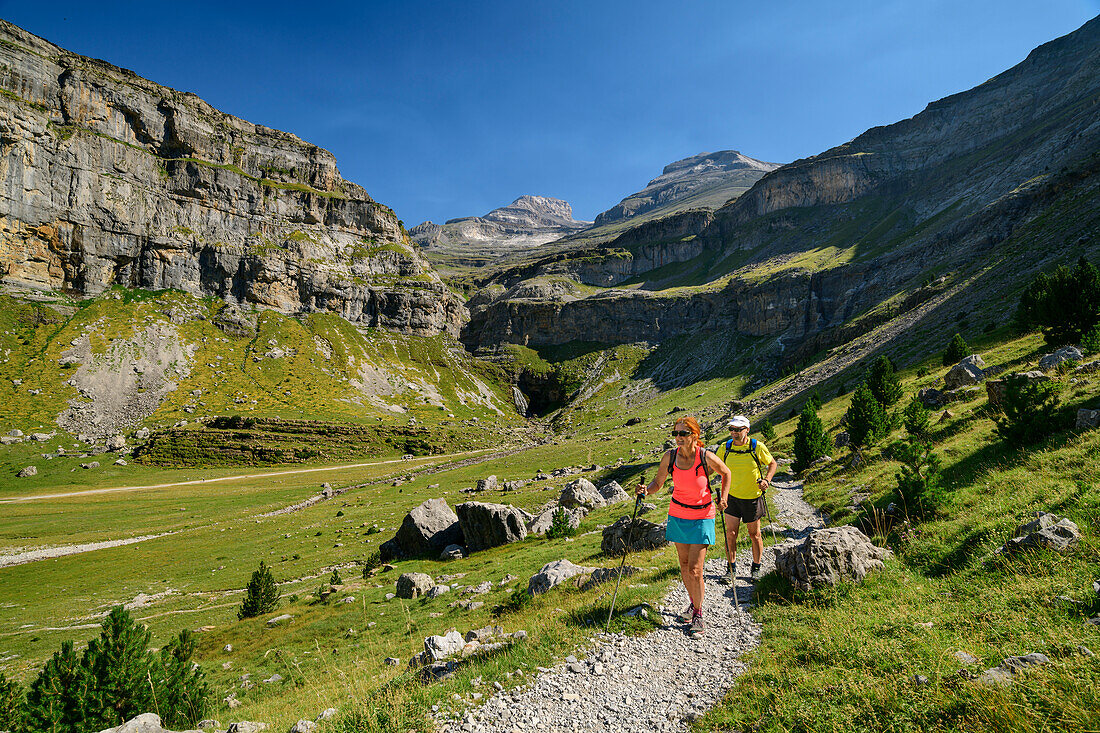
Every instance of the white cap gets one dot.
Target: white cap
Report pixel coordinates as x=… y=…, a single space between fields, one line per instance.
x=738 y=421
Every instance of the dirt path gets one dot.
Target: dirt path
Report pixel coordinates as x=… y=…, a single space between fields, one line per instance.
x=48 y=553
x=241 y=477
x=658 y=682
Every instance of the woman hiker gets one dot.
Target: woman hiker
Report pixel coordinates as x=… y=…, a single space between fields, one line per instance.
x=691 y=511
x=753 y=466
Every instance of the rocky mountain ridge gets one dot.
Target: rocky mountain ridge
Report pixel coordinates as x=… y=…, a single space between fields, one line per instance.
x=111 y=179
x=702 y=180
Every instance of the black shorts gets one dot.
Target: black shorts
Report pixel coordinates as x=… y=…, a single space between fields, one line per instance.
x=747 y=510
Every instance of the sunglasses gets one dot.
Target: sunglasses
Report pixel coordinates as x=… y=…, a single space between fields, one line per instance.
x=681 y=433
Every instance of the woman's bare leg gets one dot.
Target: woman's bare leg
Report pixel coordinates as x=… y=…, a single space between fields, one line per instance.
x=692 y=558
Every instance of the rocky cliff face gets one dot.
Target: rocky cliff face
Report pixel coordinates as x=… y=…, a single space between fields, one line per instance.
x=110 y=179
x=706 y=179
x=1007 y=172
x=527 y=222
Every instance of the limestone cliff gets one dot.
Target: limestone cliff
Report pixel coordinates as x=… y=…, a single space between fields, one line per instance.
x=111 y=179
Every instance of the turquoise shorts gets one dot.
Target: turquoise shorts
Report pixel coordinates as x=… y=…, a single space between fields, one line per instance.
x=690 y=531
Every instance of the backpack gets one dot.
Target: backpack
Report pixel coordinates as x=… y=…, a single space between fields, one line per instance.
x=706 y=472
x=752 y=450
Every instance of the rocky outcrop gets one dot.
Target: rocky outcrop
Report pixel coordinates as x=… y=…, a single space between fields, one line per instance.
x=830 y=556
x=527 y=222
x=111 y=179
x=704 y=179
x=489 y=525
x=427 y=529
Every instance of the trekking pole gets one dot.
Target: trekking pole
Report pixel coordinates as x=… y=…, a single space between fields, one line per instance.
x=725 y=537
x=626 y=549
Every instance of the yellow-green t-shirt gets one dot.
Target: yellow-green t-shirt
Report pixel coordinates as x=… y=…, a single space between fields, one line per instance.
x=744 y=470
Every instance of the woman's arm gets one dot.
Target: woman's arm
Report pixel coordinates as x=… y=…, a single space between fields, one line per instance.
x=658 y=480
x=716 y=464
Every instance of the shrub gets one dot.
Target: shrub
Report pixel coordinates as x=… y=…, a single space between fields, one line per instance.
x=767 y=431
x=866 y=419
x=335 y=578
x=181 y=692
x=1090 y=343
x=58 y=698
x=956 y=351
x=916 y=417
x=559 y=525
x=10 y=703
x=373 y=561
x=810 y=441
x=883 y=381
x=261 y=595
x=1028 y=410
x=918 y=479
x=1065 y=304
x=815 y=400
x=118 y=664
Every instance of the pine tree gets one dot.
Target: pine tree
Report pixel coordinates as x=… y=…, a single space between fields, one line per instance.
x=181 y=693
x=118 y=664
x=767 y=431
x=261 y=595
x=916 y=417
x=956 y=351
x=10 y=703
x=866 y=419
x=1090 y=342
x=883 y=381
x=810 y=441
x=559 y=525
x=1028 y=410
x=335 y=578
x=1065 y=303
x=918 y=478
x=57 y=700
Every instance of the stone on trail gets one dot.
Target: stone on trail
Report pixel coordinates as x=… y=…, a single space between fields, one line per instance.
x=414 y=585
x=489 y=525
x=646 y=535
x=554 y=573
x=427 y=529
x=581 y=493
x=830 y=556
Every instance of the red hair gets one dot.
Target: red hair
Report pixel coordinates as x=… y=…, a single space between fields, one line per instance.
x=692 y=425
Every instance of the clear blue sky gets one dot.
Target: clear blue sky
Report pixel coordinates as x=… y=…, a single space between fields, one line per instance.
x=442 y=110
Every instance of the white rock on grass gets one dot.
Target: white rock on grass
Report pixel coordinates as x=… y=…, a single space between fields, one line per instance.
x=280 y=620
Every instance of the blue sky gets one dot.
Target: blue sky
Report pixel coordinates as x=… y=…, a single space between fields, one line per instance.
x=442 y=110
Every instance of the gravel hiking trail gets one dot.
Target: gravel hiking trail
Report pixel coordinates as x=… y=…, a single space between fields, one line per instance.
x=657 y=682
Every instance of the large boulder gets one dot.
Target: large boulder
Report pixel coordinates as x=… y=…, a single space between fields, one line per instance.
x=1059 y=357
x=144 y=723
x=645 y=535
x=966 y=373
x=581 y=492
x=427 y=529
x=1047 y=531
x=930 y=397
x=489 y=483
x=414 y=585
x=829 y=556
x=1087 y=419
x=540 y=525
x=997 y=388
x=613 y=493
x=488 y=525
x=554 y=573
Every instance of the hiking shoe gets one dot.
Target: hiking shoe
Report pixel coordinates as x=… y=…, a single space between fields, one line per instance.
x=697 y=625
x=687 y=614
x=755 y=573
x=731 y=574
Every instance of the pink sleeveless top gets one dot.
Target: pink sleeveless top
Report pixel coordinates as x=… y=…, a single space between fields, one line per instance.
x=689 y=485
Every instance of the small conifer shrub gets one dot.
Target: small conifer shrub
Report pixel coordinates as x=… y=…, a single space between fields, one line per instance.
x=883 y=382
x=335 y=578
x=11 y=698
x=810 y=441
x=1028 y=410
x=956 y=351
x=767 y=431
x=918 y=478
x=261 y=595
x=867 y=421
x=559 y=525
x=916 y=417
x=1065 y=303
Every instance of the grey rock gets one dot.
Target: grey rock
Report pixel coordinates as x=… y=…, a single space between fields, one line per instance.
x=489 y=483
x=1059 y=357
x=613 y=493
x=1087 y=419
x=1047 y=531
x=427 y=529
x=274 y=679
x=326 y=714
x=830 y=556
x=964 y=374
x=553 y=574
x=441 y=647
x=144 y=723
x=392 y=661
x=930 y=397
x=141 y=434
x=644 y=535
x=246 y=726
x=540 y=525
x=303 y=726
x=453 y=552
x=209 y=724
x=116 y=443
x=28 y=472
x=92 y=464
x=280 y=620
x=437 y=590
x=581 y=493
x=414 y=585
x=966 y=658
x=842 y=439
x=489 y=525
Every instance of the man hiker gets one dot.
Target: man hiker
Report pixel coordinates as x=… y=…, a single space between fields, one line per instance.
x=752 y=467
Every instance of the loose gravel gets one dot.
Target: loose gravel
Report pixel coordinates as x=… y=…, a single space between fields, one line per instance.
x=658 y=682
